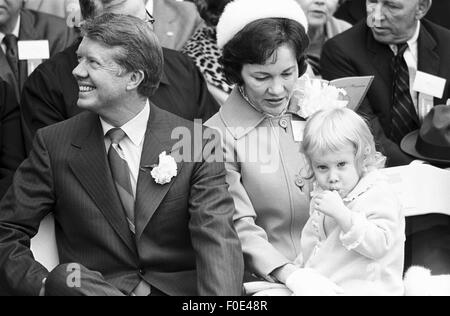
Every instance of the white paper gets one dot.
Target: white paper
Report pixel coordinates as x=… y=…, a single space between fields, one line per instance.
x=422 y=189
x=429 y=84
x=298 y=130
x=29 y=50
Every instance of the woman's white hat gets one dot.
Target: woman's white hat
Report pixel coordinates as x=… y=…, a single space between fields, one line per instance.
x=238 y=13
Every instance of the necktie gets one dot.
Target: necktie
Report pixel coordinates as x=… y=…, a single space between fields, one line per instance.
x=404 y=115
x=121 y=174
x=12 y=55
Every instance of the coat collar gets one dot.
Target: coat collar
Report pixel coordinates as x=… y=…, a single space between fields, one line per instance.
x=238 y=116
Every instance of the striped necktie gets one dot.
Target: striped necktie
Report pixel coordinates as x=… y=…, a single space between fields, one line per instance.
x=12 y=55
x=121 y=174
x=404 y=115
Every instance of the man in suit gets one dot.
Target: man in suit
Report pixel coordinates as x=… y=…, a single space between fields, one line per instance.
x=18 y=24
x=365 y=50
x=51 y=93
x=124 y=224
x=12 y=151
x=354 y=11
x=176 y=21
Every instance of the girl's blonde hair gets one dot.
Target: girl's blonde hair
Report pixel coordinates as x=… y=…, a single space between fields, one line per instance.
x=331 y=130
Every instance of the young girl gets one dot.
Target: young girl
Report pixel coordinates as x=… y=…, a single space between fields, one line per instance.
x=355 y=233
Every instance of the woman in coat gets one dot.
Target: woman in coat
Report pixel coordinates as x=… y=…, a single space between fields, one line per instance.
x=264 y=43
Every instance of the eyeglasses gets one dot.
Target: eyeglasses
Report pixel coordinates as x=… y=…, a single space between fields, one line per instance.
x=149 y=19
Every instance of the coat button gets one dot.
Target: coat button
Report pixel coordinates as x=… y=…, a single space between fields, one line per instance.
x=300 y=182
x=283 y=123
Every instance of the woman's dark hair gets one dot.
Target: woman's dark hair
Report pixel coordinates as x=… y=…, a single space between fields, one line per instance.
x=211 y=10
x=257 y=42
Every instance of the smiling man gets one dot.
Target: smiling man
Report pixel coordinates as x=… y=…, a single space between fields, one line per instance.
x=122 y=228
x=394 y=28
x=50 y=94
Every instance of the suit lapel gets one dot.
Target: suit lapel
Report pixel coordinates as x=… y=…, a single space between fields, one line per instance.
x=89 y=164
x=429 y=59
x=149 y=194
x=381 y=58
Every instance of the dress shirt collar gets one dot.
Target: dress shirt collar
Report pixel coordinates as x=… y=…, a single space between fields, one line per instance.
x=412 y=43
x=15 y=31
x=135 y=128
x=149 y=6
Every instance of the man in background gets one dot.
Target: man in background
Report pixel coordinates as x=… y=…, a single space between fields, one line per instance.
x=20 y=24
x=51 y=93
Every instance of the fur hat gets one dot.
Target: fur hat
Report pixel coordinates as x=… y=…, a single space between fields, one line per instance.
x=239 y=13
x=419 y=282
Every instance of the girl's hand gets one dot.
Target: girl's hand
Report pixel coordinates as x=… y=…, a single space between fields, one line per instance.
x=329 y=203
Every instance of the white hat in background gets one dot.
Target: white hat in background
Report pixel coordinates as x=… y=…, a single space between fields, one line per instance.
x=239 y=13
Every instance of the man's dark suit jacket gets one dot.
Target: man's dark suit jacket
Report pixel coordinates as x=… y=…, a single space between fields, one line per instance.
x=51 y=93
x=37 y=26
x=185 y=242
x=356 y=53
x=12 y=151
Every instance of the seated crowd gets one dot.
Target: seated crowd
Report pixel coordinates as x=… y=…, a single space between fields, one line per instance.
x=163 y=138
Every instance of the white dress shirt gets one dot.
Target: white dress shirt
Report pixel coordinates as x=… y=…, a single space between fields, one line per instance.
x=15 y=32
x=149 y=6
x=133 y=142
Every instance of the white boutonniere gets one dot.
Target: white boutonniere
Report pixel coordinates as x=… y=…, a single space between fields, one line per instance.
x=312 y=95
x=165 y=170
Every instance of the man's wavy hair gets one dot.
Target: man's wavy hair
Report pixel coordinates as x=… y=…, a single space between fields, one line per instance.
x=139 y=47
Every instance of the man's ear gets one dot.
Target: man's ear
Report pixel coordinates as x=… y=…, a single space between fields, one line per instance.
x=135 y=80
x=423 y=8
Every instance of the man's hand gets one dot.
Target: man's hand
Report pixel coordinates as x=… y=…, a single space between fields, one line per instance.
x=307 y=282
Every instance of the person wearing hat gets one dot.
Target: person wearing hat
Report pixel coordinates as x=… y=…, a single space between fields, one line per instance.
x=264 y=44
x=428 y=240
